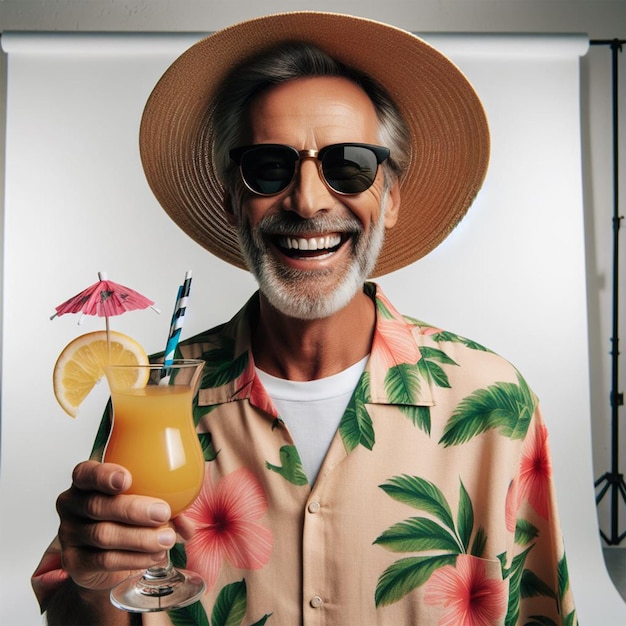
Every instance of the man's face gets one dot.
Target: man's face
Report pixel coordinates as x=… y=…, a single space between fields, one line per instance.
x=309 y=247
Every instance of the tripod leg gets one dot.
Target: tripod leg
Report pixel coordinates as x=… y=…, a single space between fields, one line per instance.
x=604 y=489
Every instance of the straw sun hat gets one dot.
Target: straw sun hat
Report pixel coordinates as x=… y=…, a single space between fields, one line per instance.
x=449 y=135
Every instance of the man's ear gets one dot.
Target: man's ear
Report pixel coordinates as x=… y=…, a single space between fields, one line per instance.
x=229 y=210
x=393 y=205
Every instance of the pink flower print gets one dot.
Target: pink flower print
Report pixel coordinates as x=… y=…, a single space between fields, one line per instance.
x=393 y=343
x=533 y=482
x=536 y=471
x=260 y=398
x=469 y=596
x=225 y=515
x=249 y=386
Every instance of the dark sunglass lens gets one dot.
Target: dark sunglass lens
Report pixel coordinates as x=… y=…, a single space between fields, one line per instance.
x=349 y=169
x=268 y=169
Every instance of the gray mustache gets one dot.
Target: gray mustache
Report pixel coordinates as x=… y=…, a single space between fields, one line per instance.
x=290 y=224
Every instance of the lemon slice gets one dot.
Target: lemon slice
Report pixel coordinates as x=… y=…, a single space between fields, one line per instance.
x=81 y=365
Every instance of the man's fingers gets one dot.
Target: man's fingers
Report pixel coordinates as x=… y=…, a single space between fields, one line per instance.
x=184 y=526
x=126 y=509
x=110 y=560
x=104 y=532
x=101 y=569
x=97 y=494
x=111 y=536
x=105 y=477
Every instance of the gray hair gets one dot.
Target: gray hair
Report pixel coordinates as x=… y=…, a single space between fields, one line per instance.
x=291 y=61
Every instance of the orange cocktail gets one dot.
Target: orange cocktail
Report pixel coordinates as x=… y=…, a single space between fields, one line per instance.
x=153 y=436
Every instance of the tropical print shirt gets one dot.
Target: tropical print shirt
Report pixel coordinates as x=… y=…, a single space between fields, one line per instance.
x=434 y=505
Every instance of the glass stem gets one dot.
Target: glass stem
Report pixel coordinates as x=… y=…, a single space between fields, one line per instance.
x=158 y=572
x=160 y=580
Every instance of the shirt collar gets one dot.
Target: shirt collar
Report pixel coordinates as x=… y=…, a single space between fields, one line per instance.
x=395 y=354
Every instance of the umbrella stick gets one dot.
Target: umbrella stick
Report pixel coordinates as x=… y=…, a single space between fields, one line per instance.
x=106 y=323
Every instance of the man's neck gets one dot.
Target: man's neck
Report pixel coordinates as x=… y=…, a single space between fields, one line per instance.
x=310 y=349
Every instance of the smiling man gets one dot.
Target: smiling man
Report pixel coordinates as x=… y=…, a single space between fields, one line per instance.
x=312 y=246
x=361 y=467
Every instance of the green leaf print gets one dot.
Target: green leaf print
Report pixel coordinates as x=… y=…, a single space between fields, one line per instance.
x=506 y=407
x=433 y=354
x=418 y=534
x=402 y=386
x=563 y=574
x=571 y=619
x=419 y=415
x=407 y=574
x=402 y=383
x=420 y=494
x=479 y=543
x=444 y=336
x=102 y=436
x=432 y=372
x=262 y=621
x=515 y=580
x=230 y=606
x=225 y=372
x=200 y=411
x=356 y=426
x=416 y=322
x=206 y=442
x=192 y=615
x=465 y=518
x=382 y=311
x=532 y=586
x=221 y=367
x=291 y=466
x=179 y=555
x=525 y=532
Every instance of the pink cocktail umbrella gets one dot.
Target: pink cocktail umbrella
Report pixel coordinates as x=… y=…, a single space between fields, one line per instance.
x=104 y=299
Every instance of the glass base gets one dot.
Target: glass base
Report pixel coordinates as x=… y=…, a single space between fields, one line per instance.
x=158 y=589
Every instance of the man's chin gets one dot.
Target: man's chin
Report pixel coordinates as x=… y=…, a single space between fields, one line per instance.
x=307 y=299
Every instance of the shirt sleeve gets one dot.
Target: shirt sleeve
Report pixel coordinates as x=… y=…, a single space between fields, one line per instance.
x=49 y=575
x=538 y=574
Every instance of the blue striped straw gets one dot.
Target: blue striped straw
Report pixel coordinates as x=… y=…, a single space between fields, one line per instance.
x=178 y=317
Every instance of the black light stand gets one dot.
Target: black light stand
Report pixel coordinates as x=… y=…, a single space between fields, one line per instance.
x=614 y=480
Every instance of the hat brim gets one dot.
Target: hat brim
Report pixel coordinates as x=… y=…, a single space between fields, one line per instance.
x=449 y=134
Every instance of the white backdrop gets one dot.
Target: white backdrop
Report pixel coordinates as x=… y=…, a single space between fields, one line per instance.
x=511 y=276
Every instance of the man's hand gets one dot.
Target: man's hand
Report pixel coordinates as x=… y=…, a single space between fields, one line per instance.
x=105 y=534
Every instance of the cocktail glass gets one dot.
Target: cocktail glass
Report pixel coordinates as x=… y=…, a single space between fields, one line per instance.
x=153 y=436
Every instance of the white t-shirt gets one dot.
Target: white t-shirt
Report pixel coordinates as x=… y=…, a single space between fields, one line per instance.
x=312 y=410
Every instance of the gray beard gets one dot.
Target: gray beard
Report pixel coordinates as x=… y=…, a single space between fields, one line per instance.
x=305 y=294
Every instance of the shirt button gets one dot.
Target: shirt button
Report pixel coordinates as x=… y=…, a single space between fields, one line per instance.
x=314 y=507
x=316 y=602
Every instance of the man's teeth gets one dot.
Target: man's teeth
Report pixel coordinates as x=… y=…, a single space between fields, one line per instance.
x=311 y=243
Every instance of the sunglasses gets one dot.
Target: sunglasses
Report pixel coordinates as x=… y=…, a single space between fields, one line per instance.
x=347 y=168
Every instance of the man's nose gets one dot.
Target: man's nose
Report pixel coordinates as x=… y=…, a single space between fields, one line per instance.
x=310 y=195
